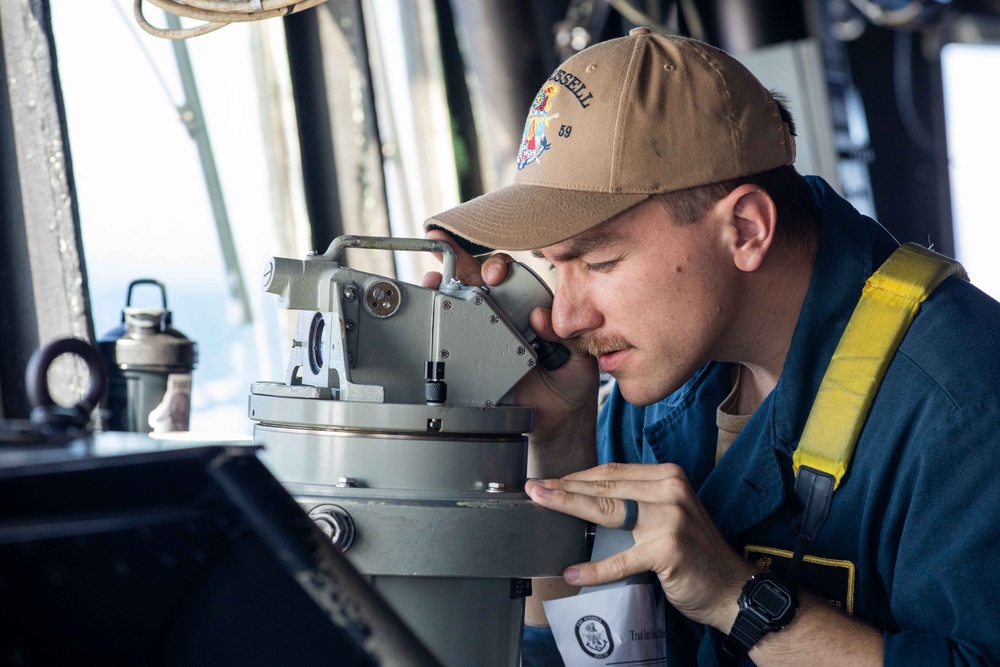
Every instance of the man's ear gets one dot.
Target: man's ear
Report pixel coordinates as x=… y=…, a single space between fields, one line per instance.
x=752 y=219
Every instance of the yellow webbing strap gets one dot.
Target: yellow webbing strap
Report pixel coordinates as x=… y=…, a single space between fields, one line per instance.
x=888 y=304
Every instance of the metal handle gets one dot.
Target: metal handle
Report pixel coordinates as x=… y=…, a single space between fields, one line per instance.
x=386 y=243
x=147 y=281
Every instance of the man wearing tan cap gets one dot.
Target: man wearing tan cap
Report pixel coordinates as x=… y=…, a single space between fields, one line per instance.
x=713 y=283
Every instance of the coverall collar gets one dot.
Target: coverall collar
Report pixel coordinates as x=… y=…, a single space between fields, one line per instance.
x=749 y=483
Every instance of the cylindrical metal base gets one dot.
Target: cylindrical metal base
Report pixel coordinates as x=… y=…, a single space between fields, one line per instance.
x=462 y=621
x=511 y=538
x=412 y=463
x=429 y=501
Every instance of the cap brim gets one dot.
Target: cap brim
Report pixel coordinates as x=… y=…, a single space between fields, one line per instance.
x=528 y=217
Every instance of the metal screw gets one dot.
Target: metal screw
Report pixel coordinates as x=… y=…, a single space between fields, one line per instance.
x=445 y=354
x=494 y=319
x=496 y=487
x=311 y=253
x=531 y=363
x=349 y=326
x=446 y=305
x=378 y=293
x=520 y=351
x=347 y=482
x=478 y=301
x=350 y=293
x=335 y=523
x=489 y=404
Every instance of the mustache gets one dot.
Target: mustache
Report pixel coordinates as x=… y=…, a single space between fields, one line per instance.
x=597 y=344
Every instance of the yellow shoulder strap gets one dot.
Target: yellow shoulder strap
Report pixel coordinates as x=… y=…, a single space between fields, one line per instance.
x=888 y=304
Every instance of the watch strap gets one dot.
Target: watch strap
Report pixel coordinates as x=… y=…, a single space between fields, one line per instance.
x=747 y=631
x=758 y=615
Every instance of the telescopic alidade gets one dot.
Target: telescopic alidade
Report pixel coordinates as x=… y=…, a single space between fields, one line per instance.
x=396 y=429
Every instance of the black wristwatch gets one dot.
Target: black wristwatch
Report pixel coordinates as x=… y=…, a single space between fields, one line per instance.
x=767 y=604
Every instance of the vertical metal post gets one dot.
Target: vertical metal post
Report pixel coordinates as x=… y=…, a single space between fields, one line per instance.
x=41 y=260
x=194 y=121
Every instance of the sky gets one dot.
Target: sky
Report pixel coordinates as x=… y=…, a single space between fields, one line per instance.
x=142 y=197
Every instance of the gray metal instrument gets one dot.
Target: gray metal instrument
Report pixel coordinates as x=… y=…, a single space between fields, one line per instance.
x=396 y=429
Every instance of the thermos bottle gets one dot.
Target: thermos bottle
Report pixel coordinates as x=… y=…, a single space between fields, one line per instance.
x=149 y=367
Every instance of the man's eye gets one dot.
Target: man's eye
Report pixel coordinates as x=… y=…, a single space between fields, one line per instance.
x=602 y=266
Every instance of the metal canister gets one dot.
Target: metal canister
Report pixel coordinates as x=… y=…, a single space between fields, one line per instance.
x=149 y=369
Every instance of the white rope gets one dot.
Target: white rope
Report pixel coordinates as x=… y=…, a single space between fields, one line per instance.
x=218 y=13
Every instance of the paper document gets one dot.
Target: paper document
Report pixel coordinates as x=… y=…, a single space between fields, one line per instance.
x=619 y=627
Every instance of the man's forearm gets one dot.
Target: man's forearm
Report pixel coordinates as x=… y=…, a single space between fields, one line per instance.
x=820 y=635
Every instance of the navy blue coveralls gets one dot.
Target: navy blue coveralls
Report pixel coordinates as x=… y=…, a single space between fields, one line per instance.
x=912 y=543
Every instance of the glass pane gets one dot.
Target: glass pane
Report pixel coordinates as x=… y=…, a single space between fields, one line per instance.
x=973 y=147
x=141 y=187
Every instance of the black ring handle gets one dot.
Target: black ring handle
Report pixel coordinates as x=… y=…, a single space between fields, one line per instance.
x=36 y=376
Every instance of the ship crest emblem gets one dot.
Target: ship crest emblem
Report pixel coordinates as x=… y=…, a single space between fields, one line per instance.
x=533 y=142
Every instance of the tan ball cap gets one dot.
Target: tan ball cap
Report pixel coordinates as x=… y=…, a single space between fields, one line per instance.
x=621 y=121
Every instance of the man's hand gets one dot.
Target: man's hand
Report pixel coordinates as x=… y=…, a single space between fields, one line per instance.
x=565 y=400
x=674 y=536
x=467 y=268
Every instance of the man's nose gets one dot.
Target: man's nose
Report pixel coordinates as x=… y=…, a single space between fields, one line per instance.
x=573 y=312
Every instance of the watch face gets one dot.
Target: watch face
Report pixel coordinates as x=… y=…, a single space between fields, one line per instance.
x=766 y=605
x=771 y=599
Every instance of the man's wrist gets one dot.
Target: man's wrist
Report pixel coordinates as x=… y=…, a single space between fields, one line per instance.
x=766 y=604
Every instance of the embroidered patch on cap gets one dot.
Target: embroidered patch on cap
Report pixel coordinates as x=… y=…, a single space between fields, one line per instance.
x=534 y=143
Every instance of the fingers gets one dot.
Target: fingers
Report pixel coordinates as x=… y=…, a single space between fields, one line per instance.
x=602 y=510
x=634 y=560
x=541 y=322
x=492 y=271
x=636 y=471
x=431 y=279
x=618 y=566
x=495 y=268
x=467 y=267
x=675 y=537
x=598 y=495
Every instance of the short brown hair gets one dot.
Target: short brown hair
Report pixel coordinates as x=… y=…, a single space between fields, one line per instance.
x=798 y=217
